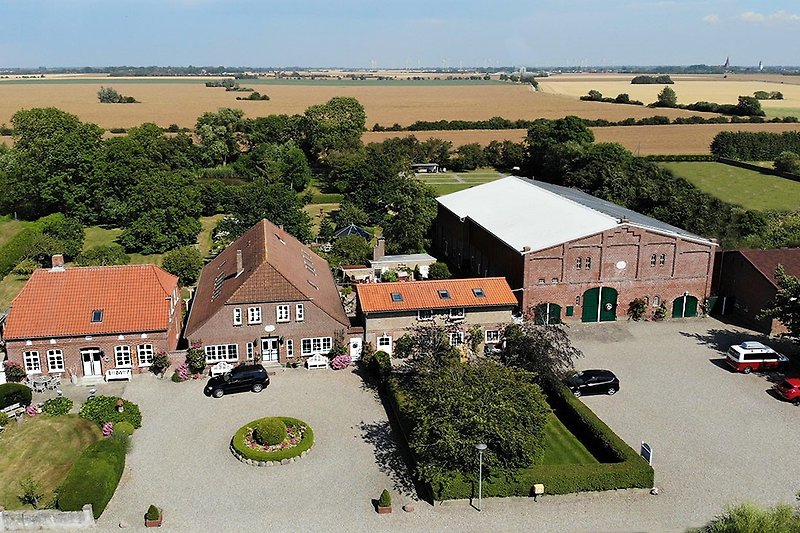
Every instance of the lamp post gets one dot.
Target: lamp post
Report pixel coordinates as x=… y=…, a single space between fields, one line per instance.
x=480 y=447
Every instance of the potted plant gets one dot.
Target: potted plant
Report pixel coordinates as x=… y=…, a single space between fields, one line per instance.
x=153 y=517
x=385 y=502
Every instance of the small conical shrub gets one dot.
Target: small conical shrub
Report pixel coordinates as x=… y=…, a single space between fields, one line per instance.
x=269 y=432
x=152 y=513
x=385 y=500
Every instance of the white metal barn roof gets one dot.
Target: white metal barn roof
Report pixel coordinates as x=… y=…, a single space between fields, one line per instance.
x=522 y=212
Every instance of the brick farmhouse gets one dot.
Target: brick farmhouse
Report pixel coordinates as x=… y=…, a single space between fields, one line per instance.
x=571 y=256
x=745 y=283
x=93 y=321
x=267 y=297
x=390 y=310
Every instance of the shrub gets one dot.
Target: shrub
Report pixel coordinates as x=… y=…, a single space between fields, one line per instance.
x=25 y=268
x=103 y=255
x=637 y=309
x=160 y=363
x=439 y=270
x=102 y=409
x=175 y=377
x=241 y=447
x=788 y=162
x=57 y=406
x=11 y=393
x=4 y=419
x=196 y=359
x=270 y=431
x=94 y=477
x=341 y=361
x=381 y=364
x=660 y=312
x=153 y=513
x=31 y=492
x=123 y=428
x=14 y=372
x=385 y=500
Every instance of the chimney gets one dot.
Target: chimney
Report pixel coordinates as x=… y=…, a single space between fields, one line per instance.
x=239 y=266
x=379 y=250
x=58 y=263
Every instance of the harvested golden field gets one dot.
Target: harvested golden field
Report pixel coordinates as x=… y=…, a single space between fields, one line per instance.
x=181 y=100
x=690 y=89
x=676 y=139
x=457 y=137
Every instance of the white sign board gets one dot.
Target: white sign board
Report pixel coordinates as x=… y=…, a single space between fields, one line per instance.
x=647 y=453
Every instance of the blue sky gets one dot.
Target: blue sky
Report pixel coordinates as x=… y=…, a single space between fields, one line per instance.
x=386 y=33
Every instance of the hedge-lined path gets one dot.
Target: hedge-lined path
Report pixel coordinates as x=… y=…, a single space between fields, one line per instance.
x=700 y=418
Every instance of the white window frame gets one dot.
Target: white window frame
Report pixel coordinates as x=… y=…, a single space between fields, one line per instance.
x=656 y=301
x=662 y=260
x=422 y=318
x=587 y=263
x=379 y=345
x=456 y=338
x=251 y=351
x=492 y=336
x=254 y=315
x=54 y=355
x=31 y=361
x=237 y=316
x=578 y=263
x=222 y=352
x=144 y=354
x=315 y=345
x=457 y=312
x=122 y=353
x=282 y=313
x=299 y=312
x=289 y=348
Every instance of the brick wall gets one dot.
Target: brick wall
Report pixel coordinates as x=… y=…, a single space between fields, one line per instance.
x=747 y=292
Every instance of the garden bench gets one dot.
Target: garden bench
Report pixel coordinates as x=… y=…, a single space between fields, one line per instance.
x=221 y=368
x=317 y=361
x=13 y=410
x=119 y=373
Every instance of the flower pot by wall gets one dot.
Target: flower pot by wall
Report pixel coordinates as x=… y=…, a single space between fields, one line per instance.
x=384 y=510
x=156 y=522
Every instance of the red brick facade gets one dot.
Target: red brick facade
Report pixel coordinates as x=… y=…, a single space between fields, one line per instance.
x=633 y=261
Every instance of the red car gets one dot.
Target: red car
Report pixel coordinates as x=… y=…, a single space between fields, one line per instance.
x=789 y=388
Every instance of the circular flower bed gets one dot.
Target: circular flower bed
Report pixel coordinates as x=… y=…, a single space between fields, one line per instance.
x=297 y=443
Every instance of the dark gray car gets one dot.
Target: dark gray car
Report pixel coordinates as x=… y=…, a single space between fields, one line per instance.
x=242 y=378
x=593 y=382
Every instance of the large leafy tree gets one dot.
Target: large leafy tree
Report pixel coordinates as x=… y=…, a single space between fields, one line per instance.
x=785 y=306
x=543 y=350
x=277 y=163
x=221 y=134
x=334 y=125
x=185 y=262
x=350 y=250
x=412 y=208
x=103 y=255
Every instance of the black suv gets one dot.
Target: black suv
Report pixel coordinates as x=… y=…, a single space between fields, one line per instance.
x=593 y=382
x=241 y=378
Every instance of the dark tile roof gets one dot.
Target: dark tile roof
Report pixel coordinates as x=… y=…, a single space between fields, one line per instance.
x=766 y=261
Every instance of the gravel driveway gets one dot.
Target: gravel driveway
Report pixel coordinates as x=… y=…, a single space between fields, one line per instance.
x=718 y=438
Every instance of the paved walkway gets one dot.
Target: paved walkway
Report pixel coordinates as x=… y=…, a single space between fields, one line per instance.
x=718 y=438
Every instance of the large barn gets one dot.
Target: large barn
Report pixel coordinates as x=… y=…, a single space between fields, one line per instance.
x=569 y=255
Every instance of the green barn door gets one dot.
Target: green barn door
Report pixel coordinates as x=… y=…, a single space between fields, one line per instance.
x=590 y=303
x=684 y=307
x=547 y=314
x=608 y=304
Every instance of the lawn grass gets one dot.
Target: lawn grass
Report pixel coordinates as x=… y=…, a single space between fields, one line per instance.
x=204 y=238
x=317 y=211
x=449 y=182
x=43 y=448
x=740 y=186
x=9 y=288
x=562 y=447
x=10 y=227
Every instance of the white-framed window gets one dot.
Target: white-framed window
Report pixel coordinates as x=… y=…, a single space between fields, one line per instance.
x=656 y=301
x=492 y=336
x=222 y=352
x=122 y=356
x=578 y=263
x=55 y=360
x=456 y=338
x=588 y=263
x=653 y=260
x=289 y=348
x=299 y=312
x=250 y=351
x=457 y=312
x=316 y=345
x=384 y=343
x=32 y=363
x=662 y=260
x=254 y=315
x=282 y=313
x=237 y=316
x=144 y=353
x=424 y=314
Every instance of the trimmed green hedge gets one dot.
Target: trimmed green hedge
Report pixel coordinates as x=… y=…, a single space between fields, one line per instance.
x=94 y=477
x=257 y=455
x=11 y=393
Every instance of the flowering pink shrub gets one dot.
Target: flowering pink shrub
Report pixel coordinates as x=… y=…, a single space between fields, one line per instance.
x=32 y=410
x=341 y=361
x=108 y=429
x=183 y=371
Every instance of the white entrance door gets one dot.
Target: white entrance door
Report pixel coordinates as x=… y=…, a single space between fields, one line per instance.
x=91 y=362
x=385 y=344
x=355 y=348
x=269 y=349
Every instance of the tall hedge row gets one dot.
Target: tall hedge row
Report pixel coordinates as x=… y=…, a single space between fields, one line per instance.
x=13 y=251
x=754 y=146
x=94 y=477
x=11 y=393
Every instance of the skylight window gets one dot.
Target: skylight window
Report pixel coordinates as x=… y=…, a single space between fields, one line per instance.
x=97 y=315
x=397 y=297
x=478 y=292
x=444 y=294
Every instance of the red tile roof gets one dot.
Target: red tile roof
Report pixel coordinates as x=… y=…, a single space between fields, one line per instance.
x=59 y=303
x=377 y=297
x=766 y=261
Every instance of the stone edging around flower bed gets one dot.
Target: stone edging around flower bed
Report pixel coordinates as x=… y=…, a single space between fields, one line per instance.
x=253 y=462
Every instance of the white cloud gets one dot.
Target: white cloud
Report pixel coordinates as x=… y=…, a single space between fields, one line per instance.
x=777 y=16
x=711 y=19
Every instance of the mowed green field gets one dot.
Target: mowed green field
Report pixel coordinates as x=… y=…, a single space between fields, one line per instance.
x=449 y=182
x=739 y=186
x=562 y=447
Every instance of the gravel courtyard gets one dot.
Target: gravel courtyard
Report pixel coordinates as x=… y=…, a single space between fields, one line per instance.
x=718 y=438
